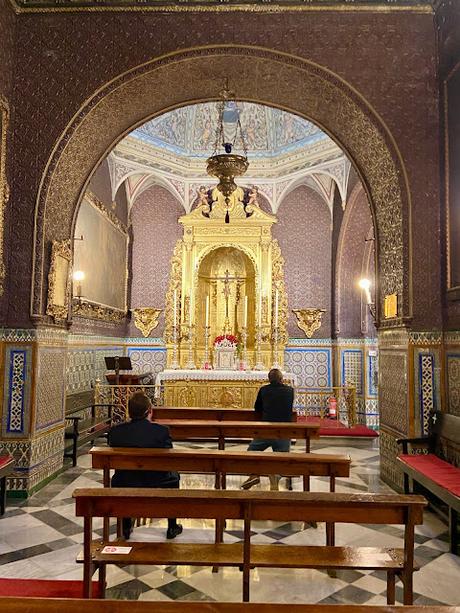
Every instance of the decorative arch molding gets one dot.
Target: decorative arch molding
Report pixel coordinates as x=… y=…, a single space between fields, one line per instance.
x=258 y=75
x=153 y=179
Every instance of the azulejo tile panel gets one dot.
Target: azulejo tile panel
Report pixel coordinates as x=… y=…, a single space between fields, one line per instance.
x=453 y=382
x=352 y=369
x=312 y=366
x=393 y=390
x=372 y=374
x=426 y=389
x=85 y=365
x=147 y=359
x=49 y=404
x=16 y=395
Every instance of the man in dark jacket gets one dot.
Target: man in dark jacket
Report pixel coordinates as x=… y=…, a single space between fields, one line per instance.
x=273 y=403
x=141 y=432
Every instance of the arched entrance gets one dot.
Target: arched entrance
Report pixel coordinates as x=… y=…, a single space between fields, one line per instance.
x=257 y=75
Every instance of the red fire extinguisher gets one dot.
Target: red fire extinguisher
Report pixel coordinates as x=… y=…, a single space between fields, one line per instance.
x=332 y=405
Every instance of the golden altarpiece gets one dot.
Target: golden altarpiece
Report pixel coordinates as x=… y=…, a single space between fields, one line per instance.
x=227 y=282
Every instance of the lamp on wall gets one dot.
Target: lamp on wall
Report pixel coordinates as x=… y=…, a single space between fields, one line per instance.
x=365 y=285
x=226 y=166
x=78 y=277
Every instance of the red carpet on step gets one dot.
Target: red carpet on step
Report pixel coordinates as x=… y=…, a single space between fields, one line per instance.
x=333 y=427
x=44 y=588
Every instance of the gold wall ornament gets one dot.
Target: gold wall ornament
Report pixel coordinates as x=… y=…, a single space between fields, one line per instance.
x=146 y=319
x=4 y=188
x=91 y=310
x=309 y=320
x=59 y=280
x=174 y=289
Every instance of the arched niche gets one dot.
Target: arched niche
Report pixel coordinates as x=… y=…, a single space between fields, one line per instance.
x=257 y=75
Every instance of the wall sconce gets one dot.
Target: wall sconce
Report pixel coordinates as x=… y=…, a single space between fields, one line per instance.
x=365 y=285
x=78 y=277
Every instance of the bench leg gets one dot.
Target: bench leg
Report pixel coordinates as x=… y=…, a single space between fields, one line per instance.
x=246 y=558
x=453 y=534
x=102 y=579
x=2 y=495
x=406 y=484
x=391 y=589
x=408 y=587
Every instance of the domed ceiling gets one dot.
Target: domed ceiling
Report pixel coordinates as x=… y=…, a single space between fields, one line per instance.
x=191 y=131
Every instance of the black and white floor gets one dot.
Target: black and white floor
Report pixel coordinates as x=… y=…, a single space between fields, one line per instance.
x=41 y=537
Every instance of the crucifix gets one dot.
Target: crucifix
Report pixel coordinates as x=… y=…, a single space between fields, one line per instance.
x=227 y=280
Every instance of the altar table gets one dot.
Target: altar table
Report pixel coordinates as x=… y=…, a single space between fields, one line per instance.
x=213 y=388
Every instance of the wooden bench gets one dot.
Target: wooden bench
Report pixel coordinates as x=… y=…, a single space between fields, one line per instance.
x=45 y=605
x=185 y=430
x=84 y=428
x=210 y=414
x=252 y=506
x=6 y=469
x=431 y=470
x=44 y=588
x=222 y=463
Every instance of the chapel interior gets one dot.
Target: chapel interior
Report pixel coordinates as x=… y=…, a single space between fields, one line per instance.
x=131 y=258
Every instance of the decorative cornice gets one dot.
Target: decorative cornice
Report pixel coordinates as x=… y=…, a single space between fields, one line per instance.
x=100 y=206
x=254 y=6
x=91 y=310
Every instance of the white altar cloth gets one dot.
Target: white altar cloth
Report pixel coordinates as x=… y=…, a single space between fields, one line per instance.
x=219 y=375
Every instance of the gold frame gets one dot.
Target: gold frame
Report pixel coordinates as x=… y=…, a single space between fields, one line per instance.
x=93 y=310
x=59 y=280
x=4 y=187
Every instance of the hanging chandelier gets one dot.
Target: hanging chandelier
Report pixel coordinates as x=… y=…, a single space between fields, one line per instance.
x=226 y=166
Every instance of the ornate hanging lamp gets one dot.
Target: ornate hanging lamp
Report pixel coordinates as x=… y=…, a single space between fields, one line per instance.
x=226 y=166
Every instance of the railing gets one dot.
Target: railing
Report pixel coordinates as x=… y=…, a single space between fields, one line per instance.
x=332 y=402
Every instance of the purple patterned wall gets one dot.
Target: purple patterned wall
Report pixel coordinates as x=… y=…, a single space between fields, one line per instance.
x=155 y=230
x=356 y=226
x=304 y=234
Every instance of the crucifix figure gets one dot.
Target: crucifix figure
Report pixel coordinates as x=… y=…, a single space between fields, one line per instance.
x=227 y=280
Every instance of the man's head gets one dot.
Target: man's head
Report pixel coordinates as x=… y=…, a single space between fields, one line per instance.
x=275 y=375
x=139 y=406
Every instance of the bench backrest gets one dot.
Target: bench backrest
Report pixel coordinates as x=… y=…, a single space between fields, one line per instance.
x=195 y=413
x=276 y=506
x=211 y=460
x=239 y=429
x=446 y=431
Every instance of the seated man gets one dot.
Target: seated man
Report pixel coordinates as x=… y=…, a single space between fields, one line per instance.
x=141 y=432
x=273 y=403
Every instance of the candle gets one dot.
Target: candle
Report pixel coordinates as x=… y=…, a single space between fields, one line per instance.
x=276 y=308
x=207 y=311
x=245 y=312
x=175 y=308
x=190 y=309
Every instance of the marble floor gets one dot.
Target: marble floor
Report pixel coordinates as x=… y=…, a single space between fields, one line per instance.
x=41 y=537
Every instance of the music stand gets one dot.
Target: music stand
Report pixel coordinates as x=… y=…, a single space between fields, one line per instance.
x=118 y=363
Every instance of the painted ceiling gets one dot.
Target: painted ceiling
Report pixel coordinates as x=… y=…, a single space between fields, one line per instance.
x=191 y=131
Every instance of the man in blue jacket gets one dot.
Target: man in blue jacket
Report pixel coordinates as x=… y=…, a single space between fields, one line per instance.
x=273 y=403
x=141 y=432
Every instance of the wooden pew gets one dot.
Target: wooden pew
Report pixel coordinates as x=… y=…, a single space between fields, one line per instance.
x=212 y=414
x=221 y=463
x=45 y=605
x=185 y=430
x=253 y=506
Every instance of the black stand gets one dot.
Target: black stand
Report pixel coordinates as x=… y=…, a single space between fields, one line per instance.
x=118 y=363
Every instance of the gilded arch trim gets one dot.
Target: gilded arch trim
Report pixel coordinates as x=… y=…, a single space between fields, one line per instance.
x=258 y=75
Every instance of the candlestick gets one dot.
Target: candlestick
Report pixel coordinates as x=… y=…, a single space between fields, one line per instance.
x=276 y=363
x=206 y=364
x=207 y=312
x=260 y=309
x=175 y=308
x=175 y=362
x=259 y=364
x=244 y=356
x=245 y=312
x=190 y=362
x=276 y=308
x=190 y=321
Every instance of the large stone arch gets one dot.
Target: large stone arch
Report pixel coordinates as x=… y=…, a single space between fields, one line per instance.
x=257 y=75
